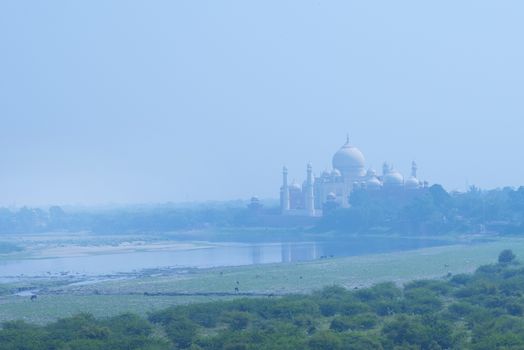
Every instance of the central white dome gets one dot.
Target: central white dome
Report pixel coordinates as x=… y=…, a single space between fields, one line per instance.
x=349 y=161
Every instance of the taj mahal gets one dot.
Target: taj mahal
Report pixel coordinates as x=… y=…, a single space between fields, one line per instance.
x=334 y=188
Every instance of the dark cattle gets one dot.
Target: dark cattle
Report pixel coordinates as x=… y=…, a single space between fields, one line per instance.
x=33 y=297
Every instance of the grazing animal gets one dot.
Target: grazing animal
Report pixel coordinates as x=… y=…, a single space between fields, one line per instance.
x=33 y=297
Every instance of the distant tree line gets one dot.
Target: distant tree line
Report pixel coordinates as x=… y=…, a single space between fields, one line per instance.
x=480 y=311
x=123 y=220
x=431 y=211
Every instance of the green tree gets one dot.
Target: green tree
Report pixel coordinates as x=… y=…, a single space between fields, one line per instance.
x=237 y=320
x=325 y=340
x=506 y=256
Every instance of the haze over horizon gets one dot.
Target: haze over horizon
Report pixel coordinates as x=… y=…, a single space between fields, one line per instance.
x=135 y=102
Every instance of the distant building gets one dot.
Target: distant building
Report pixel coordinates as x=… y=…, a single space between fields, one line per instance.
x=333 y=188
x=254 y=204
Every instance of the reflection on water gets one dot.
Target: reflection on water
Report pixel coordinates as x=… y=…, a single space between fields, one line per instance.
x=233 y=254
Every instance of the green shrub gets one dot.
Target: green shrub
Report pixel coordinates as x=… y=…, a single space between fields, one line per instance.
x=506 y=256
x=237 y=320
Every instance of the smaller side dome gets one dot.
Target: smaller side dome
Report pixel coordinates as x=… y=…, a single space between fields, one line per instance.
x=295 y=186
x=374 y=183
x=412 y=183
x=335 y=173
x=393 y=179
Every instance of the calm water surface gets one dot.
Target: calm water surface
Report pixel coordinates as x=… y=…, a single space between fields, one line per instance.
x=228 y=254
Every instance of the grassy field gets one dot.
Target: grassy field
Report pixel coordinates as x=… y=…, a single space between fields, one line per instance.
x=114 y=297
x=50 y=307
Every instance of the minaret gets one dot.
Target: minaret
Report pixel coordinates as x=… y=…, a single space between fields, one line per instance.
x=414 y=169
x=310 y=197
x=284 y=204
x=386 y=169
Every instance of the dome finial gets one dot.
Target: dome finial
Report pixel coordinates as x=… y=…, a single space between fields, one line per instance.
x=347 y=138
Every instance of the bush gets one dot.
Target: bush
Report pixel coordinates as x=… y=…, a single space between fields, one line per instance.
x=356 y=323
x=355 y=341
x=340 y=324
x=420 y=301
x=181 y=332
x=506 y=256
x=325 y=340
x=439 y=287
x=329 y=307
x=461 y=279
x=237 y=320
x=422 y=332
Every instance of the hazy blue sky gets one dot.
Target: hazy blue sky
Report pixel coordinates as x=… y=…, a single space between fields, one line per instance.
x=153 y=101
